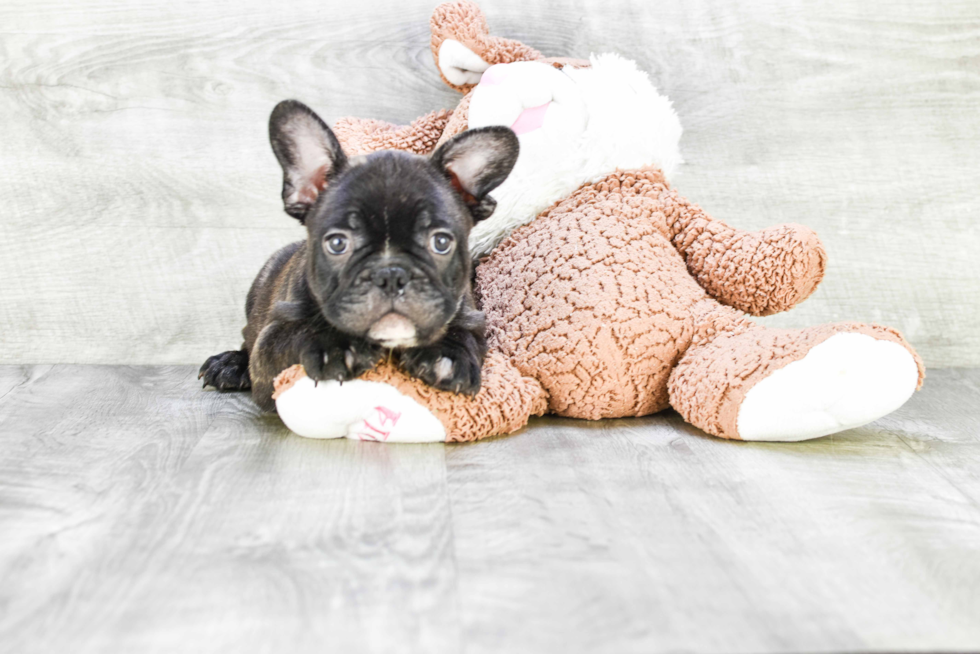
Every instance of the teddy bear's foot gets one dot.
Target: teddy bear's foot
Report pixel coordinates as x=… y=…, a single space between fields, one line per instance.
x=844 y=382
x=360 y=410
x=740 y=380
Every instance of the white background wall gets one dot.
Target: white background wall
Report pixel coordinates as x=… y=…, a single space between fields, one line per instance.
x=139 y=197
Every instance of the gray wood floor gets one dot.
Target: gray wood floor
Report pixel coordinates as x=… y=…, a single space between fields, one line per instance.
x=139 y=513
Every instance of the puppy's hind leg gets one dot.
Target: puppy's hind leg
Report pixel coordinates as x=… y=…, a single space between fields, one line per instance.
x=227 y=371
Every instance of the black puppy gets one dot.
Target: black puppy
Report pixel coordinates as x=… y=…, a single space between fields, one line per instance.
x=385 y=265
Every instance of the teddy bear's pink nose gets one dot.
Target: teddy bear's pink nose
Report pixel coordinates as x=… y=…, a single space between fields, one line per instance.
x=530 y=119
x=530 y=97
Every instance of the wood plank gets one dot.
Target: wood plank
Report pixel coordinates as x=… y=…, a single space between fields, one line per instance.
x=141 y=513
x=138 y=195
x=647 y=536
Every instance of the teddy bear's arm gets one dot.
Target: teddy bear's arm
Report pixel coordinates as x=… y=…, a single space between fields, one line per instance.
x=365 y=135
x=760 y=273
x=386 y=404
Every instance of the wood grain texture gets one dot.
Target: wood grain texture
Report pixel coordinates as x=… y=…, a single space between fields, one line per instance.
x=138 y=195
x=139 y=513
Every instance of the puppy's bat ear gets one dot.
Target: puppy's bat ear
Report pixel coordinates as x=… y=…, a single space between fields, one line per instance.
x=476 y=162
x=308 y=152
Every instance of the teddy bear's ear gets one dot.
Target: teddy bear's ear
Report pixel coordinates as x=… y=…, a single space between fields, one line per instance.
x=463 y=48
x=476 y=162
x=308 y=152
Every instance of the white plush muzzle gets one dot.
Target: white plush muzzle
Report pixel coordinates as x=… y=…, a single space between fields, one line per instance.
x=575 y=125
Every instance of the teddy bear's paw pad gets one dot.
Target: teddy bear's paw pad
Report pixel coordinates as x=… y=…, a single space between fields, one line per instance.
x=363 y=410
x=844 y=382
x=460 y=65
x=529 y=96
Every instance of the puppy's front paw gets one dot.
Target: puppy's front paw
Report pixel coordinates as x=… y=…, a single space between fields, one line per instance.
x=227 y=371
x=324 y=361
x=446 y=367
x=338 y=360
x=362 y=356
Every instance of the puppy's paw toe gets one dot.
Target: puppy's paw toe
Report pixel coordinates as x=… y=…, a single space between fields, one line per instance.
x=362 y=356
x=466 y=378
x=227 y=371
x=324 y=363
x=340 y=361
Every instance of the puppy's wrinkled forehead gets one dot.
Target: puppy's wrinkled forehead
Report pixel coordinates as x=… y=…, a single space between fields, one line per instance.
x=387 y=191
x=459 y=174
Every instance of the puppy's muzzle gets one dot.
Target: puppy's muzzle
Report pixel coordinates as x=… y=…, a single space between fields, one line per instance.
x=393 y=331
x=392 y=280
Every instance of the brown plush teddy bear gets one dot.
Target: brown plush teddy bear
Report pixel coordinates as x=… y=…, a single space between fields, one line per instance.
x=607 y=294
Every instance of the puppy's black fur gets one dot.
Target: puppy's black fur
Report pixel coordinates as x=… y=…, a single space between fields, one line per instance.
x=385 y=265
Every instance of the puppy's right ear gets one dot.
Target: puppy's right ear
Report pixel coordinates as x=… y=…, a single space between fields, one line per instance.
x=309 y=153
x=476 y=162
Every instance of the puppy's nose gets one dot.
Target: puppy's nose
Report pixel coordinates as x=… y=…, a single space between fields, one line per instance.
x=391 y=279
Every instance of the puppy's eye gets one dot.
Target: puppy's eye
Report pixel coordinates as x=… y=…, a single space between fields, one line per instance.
x=335 y=243
x=441 y=242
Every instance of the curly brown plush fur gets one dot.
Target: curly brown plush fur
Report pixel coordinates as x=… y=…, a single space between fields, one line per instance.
x=621 y=299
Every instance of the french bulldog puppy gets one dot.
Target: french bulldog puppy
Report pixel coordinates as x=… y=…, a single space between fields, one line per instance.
x=384 y=268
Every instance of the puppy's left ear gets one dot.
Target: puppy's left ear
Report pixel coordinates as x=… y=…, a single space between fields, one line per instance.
x=476 y=162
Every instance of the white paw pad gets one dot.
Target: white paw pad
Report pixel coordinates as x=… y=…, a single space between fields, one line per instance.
x=443 y=368
x=847 y=381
